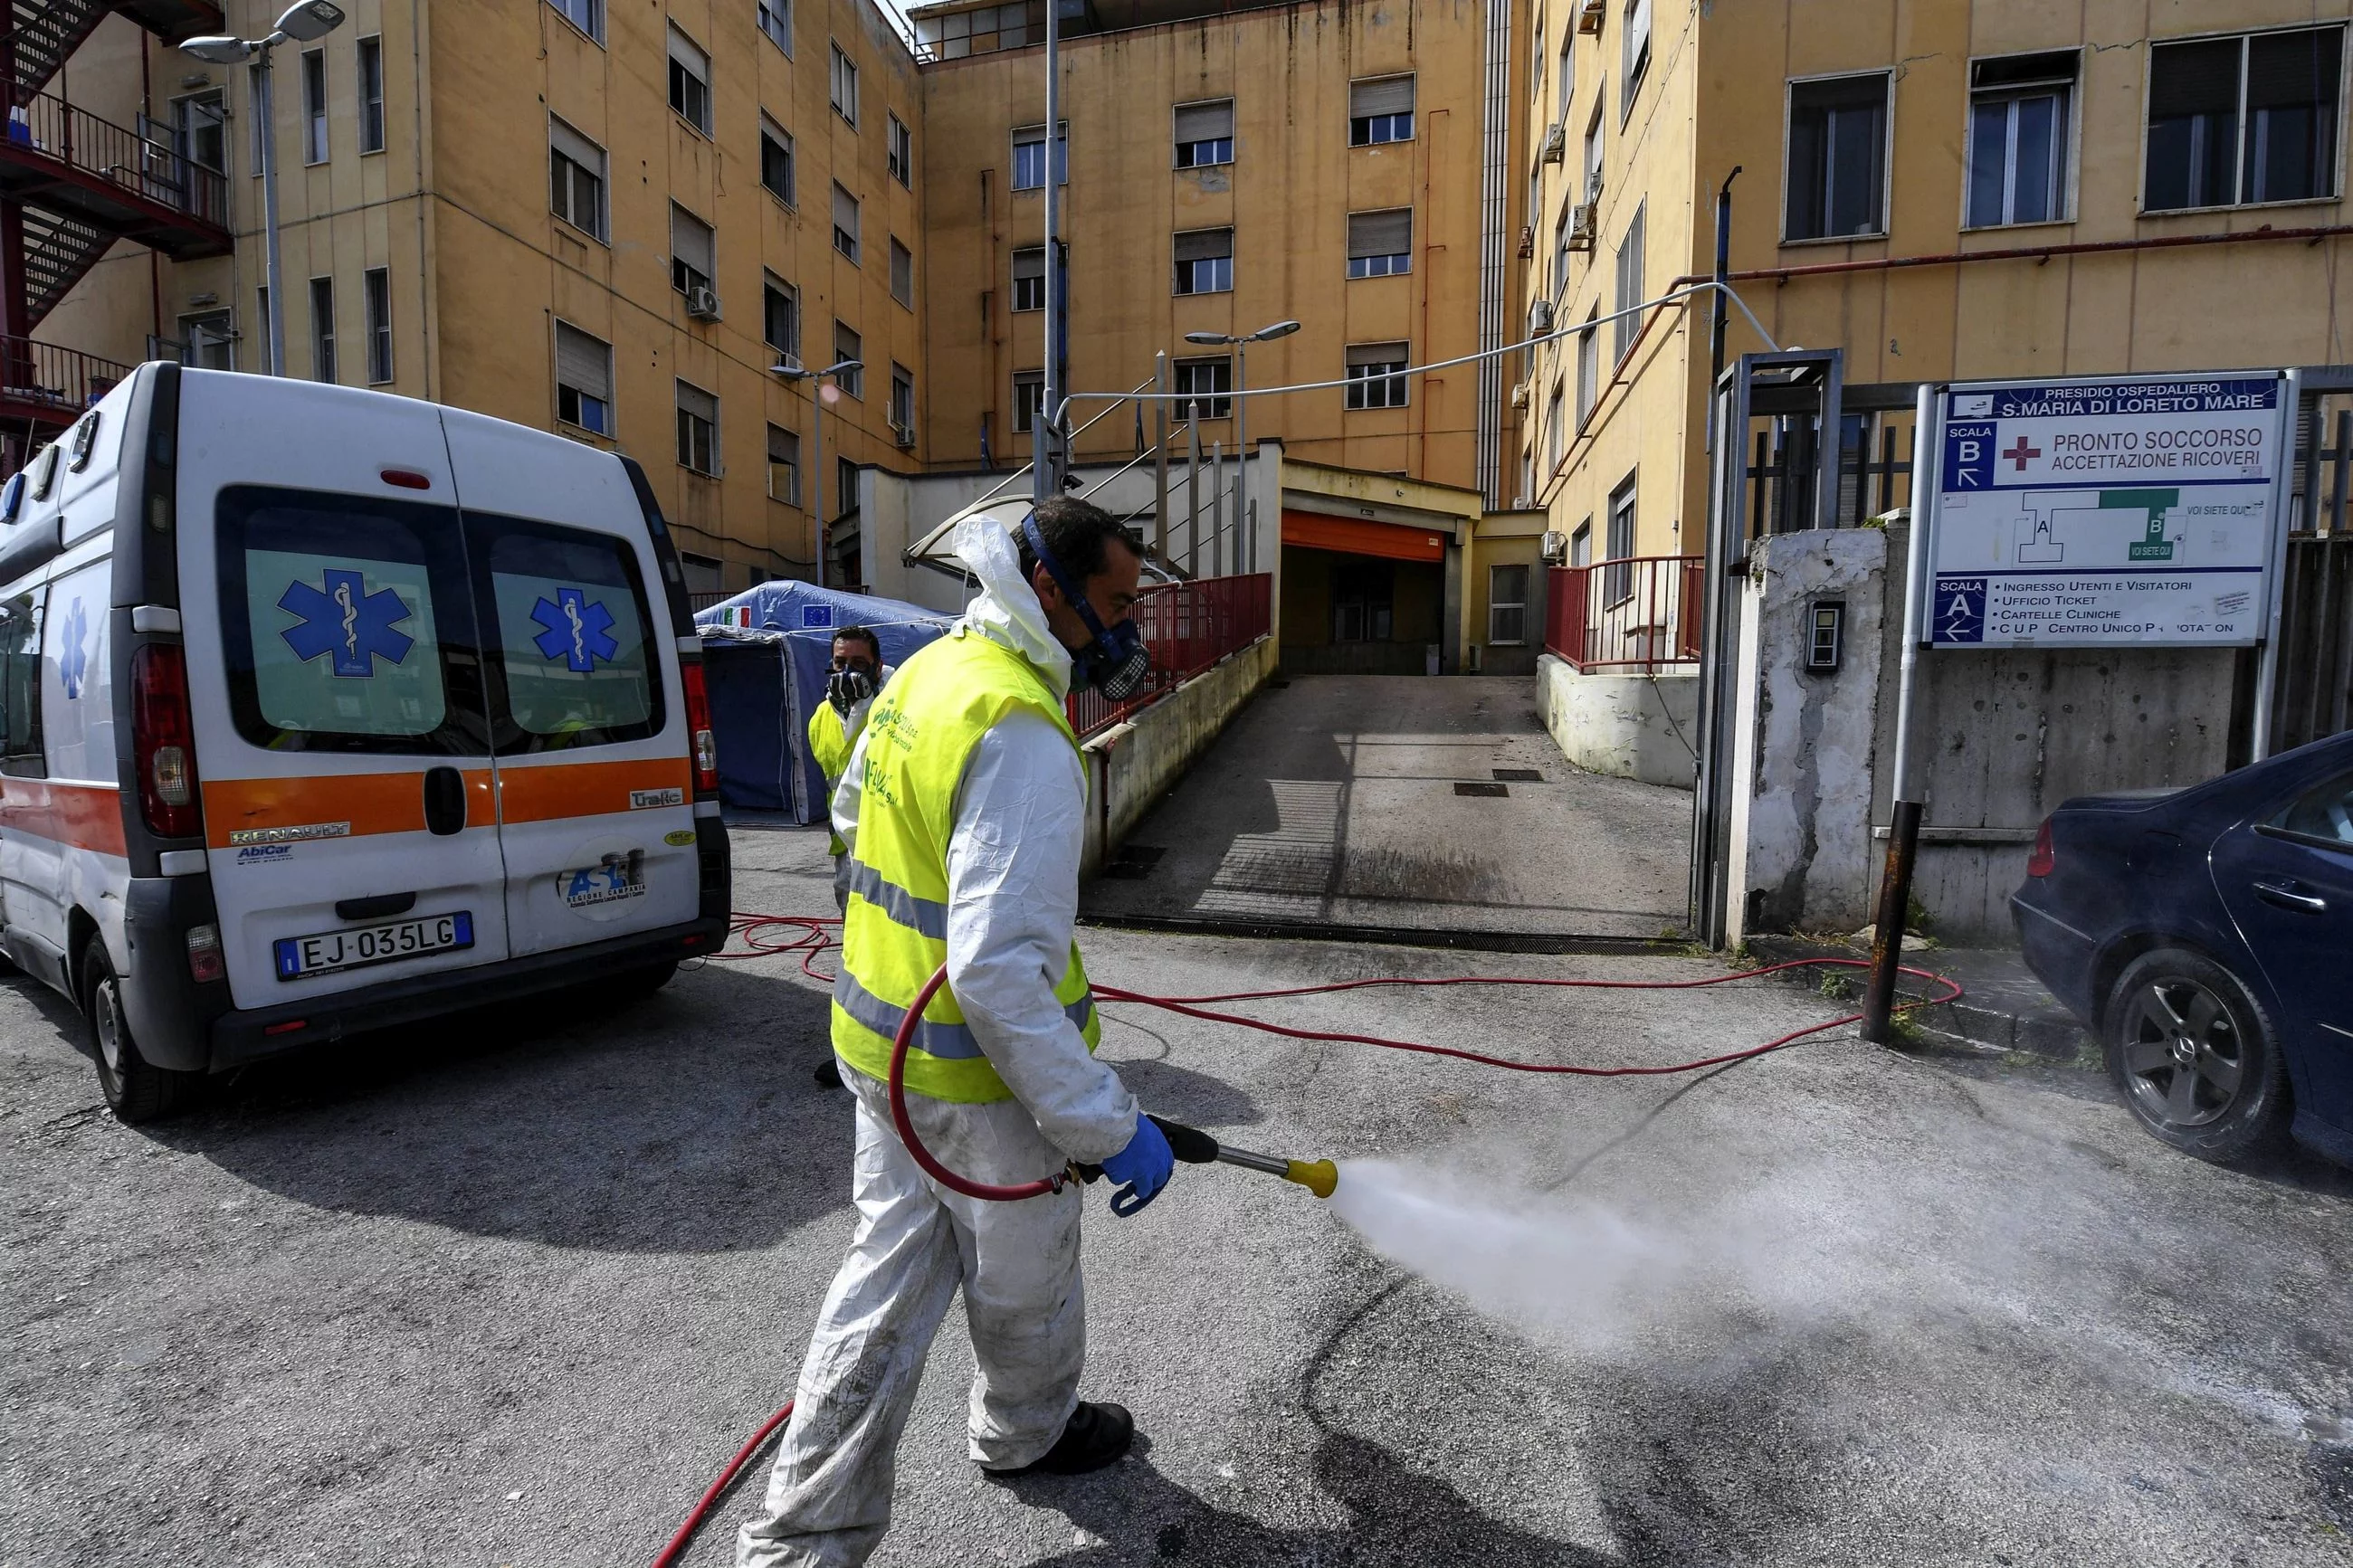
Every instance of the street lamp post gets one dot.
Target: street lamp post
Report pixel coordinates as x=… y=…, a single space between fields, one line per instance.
x=300 y=24
x=834 y=371
x=1245 y=524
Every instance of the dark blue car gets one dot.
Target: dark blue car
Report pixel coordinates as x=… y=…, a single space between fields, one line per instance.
x=2205 y=936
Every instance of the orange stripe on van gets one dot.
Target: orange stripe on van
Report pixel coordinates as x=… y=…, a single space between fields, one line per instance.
x=545 y=792
x=369 y=803
x=85 y=816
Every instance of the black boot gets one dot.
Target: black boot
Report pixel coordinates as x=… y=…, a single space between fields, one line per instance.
x=1097 y=1436
x=829 y=1073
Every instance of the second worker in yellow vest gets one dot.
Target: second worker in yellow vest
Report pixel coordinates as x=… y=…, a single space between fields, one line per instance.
x=856 y=674
x=963 y=808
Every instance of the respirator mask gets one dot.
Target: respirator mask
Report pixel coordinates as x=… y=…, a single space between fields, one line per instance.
x=1116 y=662
x=846 y=688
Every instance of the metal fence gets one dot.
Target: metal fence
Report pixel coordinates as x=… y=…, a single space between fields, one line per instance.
x=1642 y=611
x=64 y=380
x=1188 y=627
x=50 y=128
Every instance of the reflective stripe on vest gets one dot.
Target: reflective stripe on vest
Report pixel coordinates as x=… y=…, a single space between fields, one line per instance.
x=928 y=915
x=949 y=1042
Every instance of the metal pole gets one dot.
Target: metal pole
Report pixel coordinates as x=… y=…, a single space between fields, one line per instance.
x=1242 y=446
x=1046 y=466
x=1719 y=308
x=1160 y=458
x=1904 y=818
x=1217 y=509
x=269 y=113
x=2267 y=670
x=816 y=472
x=1193 y=492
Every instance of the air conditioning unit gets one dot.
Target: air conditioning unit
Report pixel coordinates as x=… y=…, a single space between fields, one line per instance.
x=1539 y=318
x=1555 y=143
x=1527 y=241
x=701 y=303
x=1556 y=547
x=789 y=364
x=1580 y=227
x=1519 y=395
x=1589 y=19
x=904 y=435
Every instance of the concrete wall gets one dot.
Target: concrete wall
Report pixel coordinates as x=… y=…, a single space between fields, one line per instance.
x=1627 y=726
x=1132 y=765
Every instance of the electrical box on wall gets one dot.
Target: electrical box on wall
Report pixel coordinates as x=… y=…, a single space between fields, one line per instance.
x=1825 y=635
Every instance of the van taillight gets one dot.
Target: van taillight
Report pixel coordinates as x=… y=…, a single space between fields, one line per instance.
x=698 y=723
x=2039 y=864
x=163 y=742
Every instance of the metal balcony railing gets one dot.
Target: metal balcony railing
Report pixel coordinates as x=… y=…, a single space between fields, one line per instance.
x=1189 y=626
x=50 y=384
x=1641 y=611
x=105 y=158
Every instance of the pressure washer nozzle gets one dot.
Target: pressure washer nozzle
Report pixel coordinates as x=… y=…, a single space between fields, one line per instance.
x=1318 y=1176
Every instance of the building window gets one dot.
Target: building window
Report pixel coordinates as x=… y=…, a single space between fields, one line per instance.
x=780 y=316
x=1567 y=77
x=902 y=273
x=845 y=85
x=253 y=119
x=1380 y=243
x=1507 y=604
x=1838 y=157
x=1594 y=148
x=377 y=293
x=1201 y=385
x=200 y=131
x=1629 y=289
x=575 y=171
x=1364 y=600
x=1635 y=53
x=583 y=380
x=1029 y=279
x=261 y=302
x=588 y=15
x=1555 y=441
x=371 y=55
x=845 y=488
x=698 y=429
x=775 y=19
x=690 y=81
x=1030 y=157
x=784 y=466
x=902 y=401
x=1029 y=398
x=776 y=160
x=845 y=223
x=1205 y=134
x=2018 y=138
x=1560 y=249
x=2238 y=122
x=209 y=342
x=1204 y=261
x=1375 y=376
x=847 y=345
x=1380 y=111
x=1618 y=578
x=314 y=106
x=902 y=153
x=322 y=329
x=692 y=248
x=1589 y=367
x=1580 y=545
x=1535 y=58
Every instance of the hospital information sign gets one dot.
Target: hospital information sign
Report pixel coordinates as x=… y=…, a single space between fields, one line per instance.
x=2113 y=511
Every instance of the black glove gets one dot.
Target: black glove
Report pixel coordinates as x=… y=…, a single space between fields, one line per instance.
x=846 y=688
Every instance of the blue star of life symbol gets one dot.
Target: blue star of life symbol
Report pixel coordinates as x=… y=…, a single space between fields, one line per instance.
x=73 y=659
x=578 y=630
x=341 y=619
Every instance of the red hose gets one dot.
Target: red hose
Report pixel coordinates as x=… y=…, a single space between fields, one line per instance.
x=931 y=1167
x=695 y=1516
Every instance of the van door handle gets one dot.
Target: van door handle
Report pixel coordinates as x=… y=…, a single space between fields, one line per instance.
x=2283 y=893
x=380 y=906
x=445 y=801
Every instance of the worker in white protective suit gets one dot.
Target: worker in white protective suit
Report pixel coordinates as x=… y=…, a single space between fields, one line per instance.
x=964 y=812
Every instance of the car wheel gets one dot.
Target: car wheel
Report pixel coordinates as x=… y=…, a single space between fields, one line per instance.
x=645 y=982
x=136 y=1089
x=2194 y=1056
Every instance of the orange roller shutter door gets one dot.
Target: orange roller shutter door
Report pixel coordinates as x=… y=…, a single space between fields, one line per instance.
x=1315 y=530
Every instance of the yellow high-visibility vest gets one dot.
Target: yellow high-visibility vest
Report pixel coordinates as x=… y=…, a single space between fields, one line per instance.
x=919 y=735
x=830 y=742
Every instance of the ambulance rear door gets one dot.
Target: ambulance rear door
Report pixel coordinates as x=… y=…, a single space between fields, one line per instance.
x=595 y=788
x=335 y=686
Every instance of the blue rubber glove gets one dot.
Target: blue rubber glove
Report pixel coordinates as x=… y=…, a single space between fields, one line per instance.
x=1144 y=1165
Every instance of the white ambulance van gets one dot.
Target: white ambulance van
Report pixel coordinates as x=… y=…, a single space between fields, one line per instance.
x=324 y=709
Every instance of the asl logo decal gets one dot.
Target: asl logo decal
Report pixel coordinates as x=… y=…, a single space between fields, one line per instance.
x=578 y=630
x=73 y=659
x=342 y=619
x=614 y=877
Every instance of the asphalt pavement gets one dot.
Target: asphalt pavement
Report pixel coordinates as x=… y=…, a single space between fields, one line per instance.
x=508 y=1291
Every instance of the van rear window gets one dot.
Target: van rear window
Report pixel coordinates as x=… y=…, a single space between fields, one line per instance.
x=344 y=623
x=572 y=627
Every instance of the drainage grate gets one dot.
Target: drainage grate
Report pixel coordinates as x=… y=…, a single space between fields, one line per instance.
x=1518 y=775
x=1480 y=789
x=1133 y=862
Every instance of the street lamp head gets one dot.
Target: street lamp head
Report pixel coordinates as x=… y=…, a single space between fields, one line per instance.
x=1280 y=330
x=218 y=49
x=838 y=366
x=309 y=20
x=1210 y=338
x=791 y=370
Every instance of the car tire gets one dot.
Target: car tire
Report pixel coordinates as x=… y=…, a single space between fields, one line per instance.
x=2194 y=1056
x=136 y=1089
x=643 y=982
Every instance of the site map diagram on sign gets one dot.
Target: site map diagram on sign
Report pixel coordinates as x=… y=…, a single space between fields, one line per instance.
x=2135 y=511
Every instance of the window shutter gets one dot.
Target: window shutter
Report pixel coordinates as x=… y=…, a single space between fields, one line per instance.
x=695 y=401
x=1361 y=354
x=690 y=239
x=1389 y=95
x=2293 y=70
x=1380 y=234
x=686 y=52
x=576 y=147
x=1029 y=263
x=1204 y=121
x=2193 y=79
x=1205 y=243
x=583 y=362
x=784 y=446
x=845 y=212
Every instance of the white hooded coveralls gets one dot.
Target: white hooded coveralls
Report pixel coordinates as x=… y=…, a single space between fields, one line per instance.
x=1013 y=890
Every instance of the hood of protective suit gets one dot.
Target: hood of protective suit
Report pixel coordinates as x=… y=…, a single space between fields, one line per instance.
x=1006 y=610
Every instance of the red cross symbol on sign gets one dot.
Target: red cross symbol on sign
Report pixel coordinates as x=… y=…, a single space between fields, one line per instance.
x=2019 y=453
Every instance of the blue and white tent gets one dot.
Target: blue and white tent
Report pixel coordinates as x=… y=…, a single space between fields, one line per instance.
x=766 y=655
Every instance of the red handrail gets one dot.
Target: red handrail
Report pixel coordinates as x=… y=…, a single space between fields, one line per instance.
x=1640 y=611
